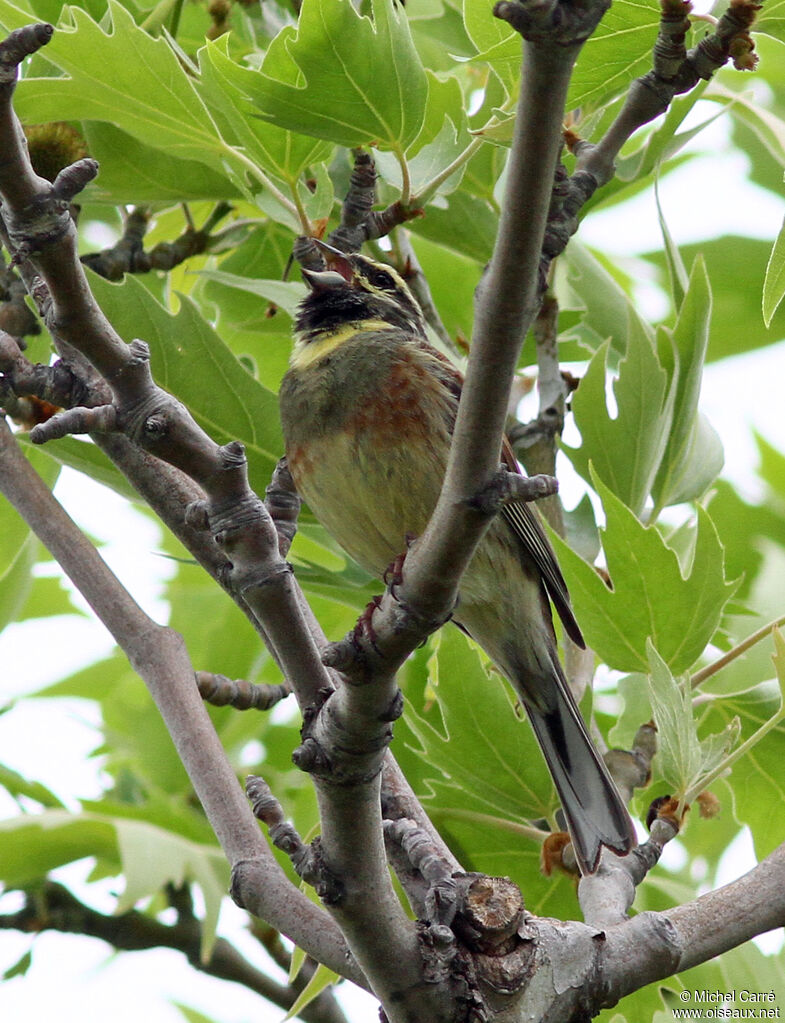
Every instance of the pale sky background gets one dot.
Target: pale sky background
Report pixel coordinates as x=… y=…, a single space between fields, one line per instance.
x=76 y=980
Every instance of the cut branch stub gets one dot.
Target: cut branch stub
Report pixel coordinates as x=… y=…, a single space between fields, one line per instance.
x=489 y=914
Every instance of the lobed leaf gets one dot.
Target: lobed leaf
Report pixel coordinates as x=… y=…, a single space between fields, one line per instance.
x=192 y=362
x=122 y=76
x=147 y=855
x=626 y=450
x=228 y=90
x=344 y=77
x=693 y=455
x=774 y=282
x=652 y=598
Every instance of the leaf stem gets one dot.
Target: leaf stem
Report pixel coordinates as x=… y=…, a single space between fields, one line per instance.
x=431 y=186
x=711 y=669
x=723 y=767
x=406 y=179
x=305 y=221
x=294 y=208
x=489 y=819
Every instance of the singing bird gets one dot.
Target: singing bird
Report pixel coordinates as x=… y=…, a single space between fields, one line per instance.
x=368 y=408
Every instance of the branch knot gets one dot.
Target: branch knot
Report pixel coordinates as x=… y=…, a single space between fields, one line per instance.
x=21 y=43
x=561 y=22
x=511 y=488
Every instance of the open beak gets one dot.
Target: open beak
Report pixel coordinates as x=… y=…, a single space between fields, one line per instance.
x=323 y=280
x=339 y=269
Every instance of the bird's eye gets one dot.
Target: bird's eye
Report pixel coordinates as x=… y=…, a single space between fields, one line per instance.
x=381 y=279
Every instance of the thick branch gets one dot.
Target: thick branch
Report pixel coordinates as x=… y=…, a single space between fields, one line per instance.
x=506 y=305
x=159 y=656
x=653 y=946
x=752 y=905
x=355 y=724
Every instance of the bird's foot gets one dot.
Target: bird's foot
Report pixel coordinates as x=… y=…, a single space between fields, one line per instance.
x=364 y=627
x=393 y=574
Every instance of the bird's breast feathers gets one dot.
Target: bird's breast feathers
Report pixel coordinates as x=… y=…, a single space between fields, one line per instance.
x=367 y=436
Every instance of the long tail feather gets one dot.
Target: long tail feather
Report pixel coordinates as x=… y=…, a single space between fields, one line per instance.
x=596 y=815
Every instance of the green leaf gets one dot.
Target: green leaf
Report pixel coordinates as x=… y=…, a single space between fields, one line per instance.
x=747 y=531
x=774 y=284
x=32 y=846
x=19 y=549
x=463 y=223
x=616 y=53
x=484 y=30
x=227 y=88
x=287 y=295
x=683 y=759
x=18 y=786
x=438 y=33
x=736 y=266
x=664 y=142
x=342 y=77
x=428 y=164
x=192 y=1015
x=584 y=283
x=581 y=531
x=497 y=43
x=652 y=597
x=767 y=125
x=445 y=102
x=756 y=777
x=85 y=456
x=148 y=856
x=504 y=781
x=20 y=967
x=483 y=172
x=321 y=979
x=677 y=272
x=152 y=858
x=263 y=254
x=480 y=772
x=191 y=361
x=625 y=450
x=18 y=559
x=693 y=454
x=48 y=598
x=453 y=279
x=772 y=465
x=699 y=466
x=132 y=171
x=127 y=78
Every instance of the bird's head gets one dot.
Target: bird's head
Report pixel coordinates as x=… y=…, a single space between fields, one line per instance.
x=354 y=290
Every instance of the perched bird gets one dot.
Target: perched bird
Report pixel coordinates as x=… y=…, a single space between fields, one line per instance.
x=368 y=408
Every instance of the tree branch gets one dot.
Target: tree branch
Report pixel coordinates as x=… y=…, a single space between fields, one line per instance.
x=159 y=656
x=353 y=726
x=653 y=946
x=52 y=907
